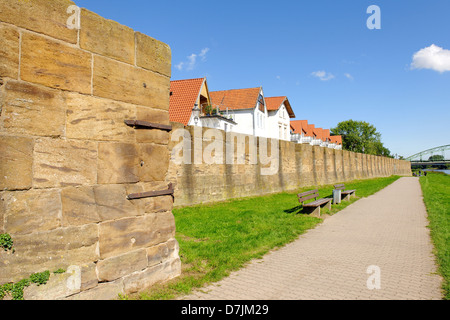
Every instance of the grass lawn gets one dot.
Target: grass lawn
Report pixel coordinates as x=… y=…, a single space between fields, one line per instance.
x=216 y=239
x=436 y=195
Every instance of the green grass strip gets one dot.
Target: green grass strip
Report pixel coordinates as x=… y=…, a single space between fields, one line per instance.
x=436 y=195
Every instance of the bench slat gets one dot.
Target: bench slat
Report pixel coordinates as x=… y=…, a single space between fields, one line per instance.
x=318 y=202
x=308 y=192
x=302 y=199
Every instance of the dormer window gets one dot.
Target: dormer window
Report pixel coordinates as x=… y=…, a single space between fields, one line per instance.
x=261 y=102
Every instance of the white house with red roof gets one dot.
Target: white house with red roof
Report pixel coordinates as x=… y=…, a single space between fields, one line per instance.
x=246 y=107
x=190 y=104
x=303 y=132
x=279 y=118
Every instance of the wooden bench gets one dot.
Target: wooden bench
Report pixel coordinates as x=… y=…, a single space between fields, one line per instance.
x=345 y=194
x=314 y=206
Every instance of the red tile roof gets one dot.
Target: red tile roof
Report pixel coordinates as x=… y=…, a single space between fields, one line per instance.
x=274 y=103
x=235 y=99
x=184 y=94
x=336 y=139
x=310 y=130
x=300 y=126
x=326 y=134
x=319 y=133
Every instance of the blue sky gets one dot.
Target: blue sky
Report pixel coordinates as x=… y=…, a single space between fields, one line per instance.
x=320 y=54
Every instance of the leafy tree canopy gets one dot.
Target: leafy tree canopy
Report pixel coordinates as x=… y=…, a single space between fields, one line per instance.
x=436 y=157
x=360 y=136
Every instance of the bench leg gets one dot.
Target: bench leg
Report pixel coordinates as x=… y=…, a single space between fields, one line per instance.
x=328 y=205
x=313 y=211
x=346 y=197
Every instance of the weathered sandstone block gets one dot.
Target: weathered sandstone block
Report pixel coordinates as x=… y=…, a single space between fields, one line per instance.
x=79 y=206
x=153 y=54
x=104 y=291
x=119 y=81
x=32 y=211
x=130 y=163
x=55 y=288
x=49 y=250
x=117 y=163
x=33 y=110
x=159 y=204
x=55 y=64
x=9 y=52
x=16 y=161
x=59 y=163
x=162 y=252
x=116 y=267
x=154 y=162
x=148 y=277
x=153 y=136
x=106 y=37
x=128 y=234
x=92 y=118
x=88 y=276
x=112 y=202
x=43 y=16
x=153 y=115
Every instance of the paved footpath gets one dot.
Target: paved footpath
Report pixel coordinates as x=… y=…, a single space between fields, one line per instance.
x=386 y=230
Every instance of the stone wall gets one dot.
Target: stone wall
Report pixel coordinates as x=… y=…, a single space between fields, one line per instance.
x=67 y=159
x=299 y=165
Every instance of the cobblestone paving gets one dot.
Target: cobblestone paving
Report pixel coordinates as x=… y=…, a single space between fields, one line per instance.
x=386 y=230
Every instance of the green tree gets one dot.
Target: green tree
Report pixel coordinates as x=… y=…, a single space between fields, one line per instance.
x=360 y=136
x=436 y=157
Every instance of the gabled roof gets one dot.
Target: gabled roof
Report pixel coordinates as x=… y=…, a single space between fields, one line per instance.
x=318 y=133
x=274 y=103
x=326 y=134
x=336 y=139
x=310 y=130
x=183 y=95
x=300 y=126
x=235 y=99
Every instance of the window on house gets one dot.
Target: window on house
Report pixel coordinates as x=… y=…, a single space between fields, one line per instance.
x=261 y=103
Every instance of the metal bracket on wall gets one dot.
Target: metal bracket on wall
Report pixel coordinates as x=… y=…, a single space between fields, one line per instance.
x=150 y=194
x=147 y=125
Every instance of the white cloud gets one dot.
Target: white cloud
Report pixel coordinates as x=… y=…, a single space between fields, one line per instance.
x=192 y=60
x=179 y=66
x=203 y=53
x=278 y=77
x=322 y=75
x=432 y=57
x=348 y=76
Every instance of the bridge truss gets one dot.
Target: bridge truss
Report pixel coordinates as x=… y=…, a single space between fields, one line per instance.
x=430 y=152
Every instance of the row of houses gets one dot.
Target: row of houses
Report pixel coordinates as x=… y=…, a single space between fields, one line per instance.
x=245 y=111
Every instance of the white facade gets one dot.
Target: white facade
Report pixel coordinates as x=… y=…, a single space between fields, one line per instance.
x=279 y=124
x=220 y=122
x=251 y=121
x=301 y=138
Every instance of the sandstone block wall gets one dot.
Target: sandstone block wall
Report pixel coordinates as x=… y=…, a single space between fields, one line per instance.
x=67 y=159
x=299 y=165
